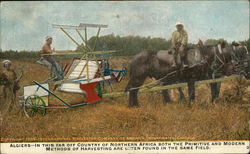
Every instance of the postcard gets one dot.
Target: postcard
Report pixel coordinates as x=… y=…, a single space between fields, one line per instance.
x=124 y=77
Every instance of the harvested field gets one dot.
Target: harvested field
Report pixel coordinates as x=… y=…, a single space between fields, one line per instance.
x=111 y=119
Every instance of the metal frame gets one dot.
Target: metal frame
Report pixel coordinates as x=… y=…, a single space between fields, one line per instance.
x=81 y=26
x=87 y=51
x=66 y=104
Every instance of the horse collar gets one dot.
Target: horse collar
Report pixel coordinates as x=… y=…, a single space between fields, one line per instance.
x=219 y=47
x=234 y=48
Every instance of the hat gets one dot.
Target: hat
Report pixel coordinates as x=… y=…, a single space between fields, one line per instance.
x=48 y=37
x=179 y=23
x=6 y=62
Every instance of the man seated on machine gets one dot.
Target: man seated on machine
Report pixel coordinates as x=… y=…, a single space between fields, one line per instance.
x=48 y=60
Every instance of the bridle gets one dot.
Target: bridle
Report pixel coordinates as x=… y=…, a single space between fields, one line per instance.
x=239 y=62
x=217 y=62
x=240 y=65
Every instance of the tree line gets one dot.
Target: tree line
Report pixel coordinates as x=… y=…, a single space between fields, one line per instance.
x=125 y=46
x=14 y=54
x=131 y=45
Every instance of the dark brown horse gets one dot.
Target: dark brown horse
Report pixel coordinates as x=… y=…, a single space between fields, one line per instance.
x=205 y=62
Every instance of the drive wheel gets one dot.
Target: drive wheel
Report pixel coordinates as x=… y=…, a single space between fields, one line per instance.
x=34 y=104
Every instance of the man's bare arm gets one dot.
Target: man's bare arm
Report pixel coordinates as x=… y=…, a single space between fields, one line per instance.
x=47 y=49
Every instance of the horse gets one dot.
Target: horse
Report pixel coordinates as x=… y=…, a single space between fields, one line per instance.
x=225 y=63
x=204 y=63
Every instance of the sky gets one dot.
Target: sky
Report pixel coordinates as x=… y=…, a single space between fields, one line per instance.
x=24 y=25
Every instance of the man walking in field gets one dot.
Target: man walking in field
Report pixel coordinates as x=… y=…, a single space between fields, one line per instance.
x=46 y=49
x=179 y=44
x=8 y=78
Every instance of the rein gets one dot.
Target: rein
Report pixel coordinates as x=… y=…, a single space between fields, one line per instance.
x=202 y=63
x=154 y=83
x=237 y=62
x=240 y=64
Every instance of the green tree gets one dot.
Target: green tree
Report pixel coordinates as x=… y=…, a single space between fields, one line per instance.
x=214 y=41
x=127 y=45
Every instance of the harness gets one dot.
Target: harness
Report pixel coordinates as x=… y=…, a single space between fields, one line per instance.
x=240 y=63
x=216 y=66
x=219 y=47
x=217 y=63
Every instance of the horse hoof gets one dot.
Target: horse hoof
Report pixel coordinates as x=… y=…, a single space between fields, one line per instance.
x=166 y=103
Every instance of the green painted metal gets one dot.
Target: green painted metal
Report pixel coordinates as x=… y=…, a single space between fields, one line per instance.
x=88 y=53
x=65 y=103
x=41 y=107
x=87 y=48
x=86 y=37
x=83 y=69
x=67 y=75
x=77 y=53
x=70 y=37
x=80 y=35
x=77 y=105
x=87 y=68
x=99 y=89
x=93 y=25
x=81 y=26
x=97 y=36
x=34 y=104
x=50 y=92
x=28 y=107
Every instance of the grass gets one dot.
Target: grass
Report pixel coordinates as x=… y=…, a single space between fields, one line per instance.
x=112 y=120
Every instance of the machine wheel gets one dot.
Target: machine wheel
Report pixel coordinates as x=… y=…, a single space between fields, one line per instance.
x=34 y=104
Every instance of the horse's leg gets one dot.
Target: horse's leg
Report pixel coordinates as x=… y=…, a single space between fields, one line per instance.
x=191 y=90
x=4 y=92
x=133 y=101
x=213 y=87
x=133 y=88
x=215 y=90
x=218 y=89
x=165 y=96
x=181 y=95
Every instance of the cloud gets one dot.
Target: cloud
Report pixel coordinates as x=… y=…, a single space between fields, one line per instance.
x=23 y=12
x=21 y=24
x=25 y=24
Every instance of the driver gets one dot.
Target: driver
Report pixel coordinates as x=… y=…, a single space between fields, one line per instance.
x=179 y=44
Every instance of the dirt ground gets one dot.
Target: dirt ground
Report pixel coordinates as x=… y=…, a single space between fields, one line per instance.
x=112 y=120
